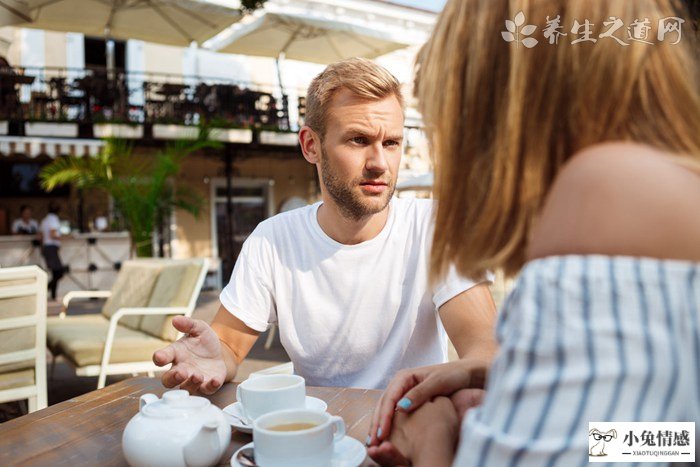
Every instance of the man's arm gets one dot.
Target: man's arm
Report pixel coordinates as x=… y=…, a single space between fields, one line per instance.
x=236 y=339
x=207 y=356
x=469 y=319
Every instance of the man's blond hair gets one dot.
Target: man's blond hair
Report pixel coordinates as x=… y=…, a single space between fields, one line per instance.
x=362 y=77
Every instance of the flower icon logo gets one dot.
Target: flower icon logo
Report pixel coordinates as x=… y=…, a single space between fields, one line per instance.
x=514 y=31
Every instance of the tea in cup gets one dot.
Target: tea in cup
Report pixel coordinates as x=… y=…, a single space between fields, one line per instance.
x=268 y=393
x=296 y=438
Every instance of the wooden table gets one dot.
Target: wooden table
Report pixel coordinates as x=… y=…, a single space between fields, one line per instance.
x=88 y=430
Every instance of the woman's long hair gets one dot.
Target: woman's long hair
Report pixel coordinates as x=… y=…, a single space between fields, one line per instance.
x=502 y=118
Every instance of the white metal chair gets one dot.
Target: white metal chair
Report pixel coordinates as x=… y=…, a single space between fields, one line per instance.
x=135 y=320
x=23 y=336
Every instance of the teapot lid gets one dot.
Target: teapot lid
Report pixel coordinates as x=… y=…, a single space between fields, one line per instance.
x=175 y=404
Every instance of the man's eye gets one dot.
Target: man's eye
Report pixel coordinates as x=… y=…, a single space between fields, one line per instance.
x=359 y=140
x=391 y=143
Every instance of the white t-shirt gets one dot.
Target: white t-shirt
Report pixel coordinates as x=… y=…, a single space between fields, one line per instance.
x=49 y=223
x=348 y=315
x=24 y=228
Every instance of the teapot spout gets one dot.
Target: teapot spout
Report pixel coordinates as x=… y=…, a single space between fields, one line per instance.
x=204 y=448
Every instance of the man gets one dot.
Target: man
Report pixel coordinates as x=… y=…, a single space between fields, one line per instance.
x=51 y=243
x=346 y=279
x=25 y=224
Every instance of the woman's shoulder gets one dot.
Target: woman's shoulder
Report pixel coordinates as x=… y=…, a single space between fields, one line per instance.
x=621 y=199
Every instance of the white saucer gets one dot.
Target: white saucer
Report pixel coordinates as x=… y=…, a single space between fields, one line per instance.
x=237 y=420
x=348 y=452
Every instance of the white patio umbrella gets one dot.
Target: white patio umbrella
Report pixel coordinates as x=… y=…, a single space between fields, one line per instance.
x=305 y=34
x=309 y=38
x=171 y=22
x=13 y=12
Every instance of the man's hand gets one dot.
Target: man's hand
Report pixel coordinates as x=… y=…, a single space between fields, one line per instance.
x=427 y=437
x=410 y=389
x=197 y=359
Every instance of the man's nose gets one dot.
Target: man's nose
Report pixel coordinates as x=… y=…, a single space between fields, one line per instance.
x=377 y=159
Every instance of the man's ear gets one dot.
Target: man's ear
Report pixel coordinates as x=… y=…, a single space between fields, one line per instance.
x=310 y=144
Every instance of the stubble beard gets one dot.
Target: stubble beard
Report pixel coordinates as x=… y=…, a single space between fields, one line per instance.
x=351 y=204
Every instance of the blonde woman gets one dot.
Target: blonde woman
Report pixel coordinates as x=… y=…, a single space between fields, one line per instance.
x=577 y=166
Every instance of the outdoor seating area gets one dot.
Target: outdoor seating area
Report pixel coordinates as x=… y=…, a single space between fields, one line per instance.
x=97 y=96
x=135 y=320
x=349 y=233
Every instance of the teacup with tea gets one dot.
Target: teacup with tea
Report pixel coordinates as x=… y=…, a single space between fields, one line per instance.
x=296 y=438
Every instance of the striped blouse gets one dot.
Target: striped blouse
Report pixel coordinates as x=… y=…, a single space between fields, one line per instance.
x=587 y=338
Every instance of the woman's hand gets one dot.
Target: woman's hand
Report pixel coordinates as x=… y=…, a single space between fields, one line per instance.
x=428 y=436
x=410 y=389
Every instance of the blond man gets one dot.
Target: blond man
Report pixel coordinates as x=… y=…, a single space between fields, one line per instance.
x=346 y=279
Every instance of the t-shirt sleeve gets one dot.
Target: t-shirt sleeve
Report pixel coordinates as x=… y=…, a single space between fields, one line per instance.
x=453 y=284
x=249 y=295
x=15 y=226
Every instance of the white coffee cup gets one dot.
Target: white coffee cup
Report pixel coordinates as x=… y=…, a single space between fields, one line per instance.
x=267 y=393
x=312 y=447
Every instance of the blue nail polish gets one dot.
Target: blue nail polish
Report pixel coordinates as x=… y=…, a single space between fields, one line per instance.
x=379 y=433
x=405 y=403
x=368 y=440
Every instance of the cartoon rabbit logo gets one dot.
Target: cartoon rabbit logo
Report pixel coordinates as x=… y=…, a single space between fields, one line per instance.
x=597 y=448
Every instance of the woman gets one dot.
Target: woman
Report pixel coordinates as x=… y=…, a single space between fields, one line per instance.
x=576 y=165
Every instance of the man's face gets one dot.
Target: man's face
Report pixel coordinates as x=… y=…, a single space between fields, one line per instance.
x=361 y=152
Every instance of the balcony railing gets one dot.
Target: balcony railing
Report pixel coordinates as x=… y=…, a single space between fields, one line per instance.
x=89 y=96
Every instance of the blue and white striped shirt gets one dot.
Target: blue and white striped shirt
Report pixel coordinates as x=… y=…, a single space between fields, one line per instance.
x=587 y=338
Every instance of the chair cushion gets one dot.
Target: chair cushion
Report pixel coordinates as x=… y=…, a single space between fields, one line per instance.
x=17 y=306
x=16 y=379
x=81 y=339
x=15 y=340
x=132 y=288
x=174 y=288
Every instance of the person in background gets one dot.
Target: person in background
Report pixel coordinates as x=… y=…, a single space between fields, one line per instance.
x=577 y=167
x=51 y=244
x=25 y=224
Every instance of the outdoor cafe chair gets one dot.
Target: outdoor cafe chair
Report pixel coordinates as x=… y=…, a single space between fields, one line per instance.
x=23 y=336
x=135 y=321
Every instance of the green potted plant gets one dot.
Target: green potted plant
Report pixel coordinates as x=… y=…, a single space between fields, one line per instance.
x=143 y=187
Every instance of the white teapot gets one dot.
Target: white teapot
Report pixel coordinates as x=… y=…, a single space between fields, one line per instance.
x=177 y=430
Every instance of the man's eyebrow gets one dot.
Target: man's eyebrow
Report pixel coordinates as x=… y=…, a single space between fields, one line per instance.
x=358 y=131
x=366 y=132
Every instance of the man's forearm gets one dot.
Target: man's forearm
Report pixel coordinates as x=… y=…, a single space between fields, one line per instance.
x=236 y=340
x=230 y=361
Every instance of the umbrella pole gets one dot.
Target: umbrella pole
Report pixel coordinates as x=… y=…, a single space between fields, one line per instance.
x=285 y=104
x=279 y=73
x=109 y=53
